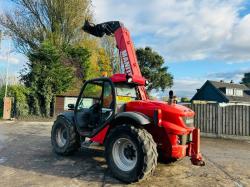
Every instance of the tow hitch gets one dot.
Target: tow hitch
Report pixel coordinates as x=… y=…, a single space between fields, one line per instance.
x=194 y=149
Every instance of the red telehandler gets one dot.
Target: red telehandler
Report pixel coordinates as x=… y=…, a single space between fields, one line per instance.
x=117 y=112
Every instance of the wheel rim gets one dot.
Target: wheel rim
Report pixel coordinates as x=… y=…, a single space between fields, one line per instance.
x=124 y=154
x=61 y=136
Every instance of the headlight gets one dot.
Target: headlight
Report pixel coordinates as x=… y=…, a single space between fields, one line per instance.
x=189 y=121
x=130 y=80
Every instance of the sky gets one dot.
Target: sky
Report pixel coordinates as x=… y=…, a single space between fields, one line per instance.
x=199 y=39
x=7 y=50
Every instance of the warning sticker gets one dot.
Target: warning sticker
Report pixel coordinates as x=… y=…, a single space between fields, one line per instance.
x=123 y=99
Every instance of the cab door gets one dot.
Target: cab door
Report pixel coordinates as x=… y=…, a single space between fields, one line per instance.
x=95 y=105
x=108 y=101
x=88 y=106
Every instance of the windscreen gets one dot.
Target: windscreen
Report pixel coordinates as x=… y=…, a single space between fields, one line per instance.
x=125 y=93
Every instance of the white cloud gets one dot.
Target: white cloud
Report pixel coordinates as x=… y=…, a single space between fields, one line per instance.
x=185 y=87
x=184 y=29
x=12 y=59
x=235 y=75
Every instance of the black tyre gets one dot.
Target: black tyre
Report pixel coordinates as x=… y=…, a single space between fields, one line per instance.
x=64 y=138
x=131 y=153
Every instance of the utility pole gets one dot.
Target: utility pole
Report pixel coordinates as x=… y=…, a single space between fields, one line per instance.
x=7 y=55
x=0 y=37
x=7 y=70
x=7 y=100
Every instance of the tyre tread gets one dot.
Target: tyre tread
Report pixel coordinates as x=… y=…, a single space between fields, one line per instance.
x=73 y=144
x=149 y=149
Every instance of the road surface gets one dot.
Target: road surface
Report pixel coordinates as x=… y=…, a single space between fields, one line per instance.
x=26 y=159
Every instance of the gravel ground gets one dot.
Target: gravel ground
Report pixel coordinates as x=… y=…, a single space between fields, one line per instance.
x=26 y=159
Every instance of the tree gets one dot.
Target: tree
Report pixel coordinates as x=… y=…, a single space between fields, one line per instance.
x=109 y=45
x=34 y=21
x=185 y=100
x=153 y=69
x=19 y=93
x=104 y=62
x=49 y=32
x=99 y=60
x=77 y=57
x=46 y=76
x=2 y=80
x=246 y=79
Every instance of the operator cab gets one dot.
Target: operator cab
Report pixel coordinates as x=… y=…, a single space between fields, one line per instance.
x=95 y=105
x=99 y=100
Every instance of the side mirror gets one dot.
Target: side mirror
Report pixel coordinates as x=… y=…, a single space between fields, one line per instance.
x=71 y=106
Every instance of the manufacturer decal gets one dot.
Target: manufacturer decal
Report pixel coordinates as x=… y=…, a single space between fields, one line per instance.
x=126 y=62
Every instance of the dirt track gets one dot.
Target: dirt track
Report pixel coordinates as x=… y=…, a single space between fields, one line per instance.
x=26 y=159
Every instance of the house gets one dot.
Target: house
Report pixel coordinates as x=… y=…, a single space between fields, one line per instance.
x=223 y=92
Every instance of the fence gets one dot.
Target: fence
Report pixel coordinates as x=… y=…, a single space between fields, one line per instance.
x=222 y=120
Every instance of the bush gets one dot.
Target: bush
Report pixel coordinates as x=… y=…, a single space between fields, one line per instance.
x=19 y=93
x=2 y=89
x=185 y=100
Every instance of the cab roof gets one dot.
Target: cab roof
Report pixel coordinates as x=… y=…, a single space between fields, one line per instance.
x=139 y=80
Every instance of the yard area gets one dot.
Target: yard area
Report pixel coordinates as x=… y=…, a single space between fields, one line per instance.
x=26 y=159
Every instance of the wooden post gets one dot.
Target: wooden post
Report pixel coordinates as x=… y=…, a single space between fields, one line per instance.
x=6 y=108
x=219 y=124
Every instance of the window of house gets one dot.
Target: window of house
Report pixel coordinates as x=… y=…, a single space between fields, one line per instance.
x=229 y=91
x=238 y=92
x=234 y=92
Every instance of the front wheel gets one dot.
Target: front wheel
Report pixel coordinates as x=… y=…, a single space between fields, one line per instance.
x=64 y=138
x=130 y=153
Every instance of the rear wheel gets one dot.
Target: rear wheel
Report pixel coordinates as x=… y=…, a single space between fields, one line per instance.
x=130 y=153
x=64 y=138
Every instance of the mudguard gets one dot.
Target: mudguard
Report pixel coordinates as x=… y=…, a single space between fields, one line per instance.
x=123 y=117
x=68 y=116
x=135 y=117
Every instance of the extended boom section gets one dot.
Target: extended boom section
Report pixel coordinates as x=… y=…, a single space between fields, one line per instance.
x=126 y=49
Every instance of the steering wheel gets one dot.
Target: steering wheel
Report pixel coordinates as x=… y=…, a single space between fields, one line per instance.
x=95 y=107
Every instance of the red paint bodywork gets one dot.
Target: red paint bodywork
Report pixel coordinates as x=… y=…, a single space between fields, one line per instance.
x=101 y=135
x=170 y=126
x=139 y=80
x=125 y=43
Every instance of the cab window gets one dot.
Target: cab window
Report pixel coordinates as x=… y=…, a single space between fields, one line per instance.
x=107 y=95
x=125 y=93
x=91 y=95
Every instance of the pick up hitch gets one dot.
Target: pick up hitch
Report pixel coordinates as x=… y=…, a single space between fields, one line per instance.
x=197 y=162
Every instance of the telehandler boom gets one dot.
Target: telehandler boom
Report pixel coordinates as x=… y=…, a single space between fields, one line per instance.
x=118 y=113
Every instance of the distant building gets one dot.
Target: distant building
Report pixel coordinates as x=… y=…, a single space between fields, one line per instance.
x=62 y=101
x=222 y=92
